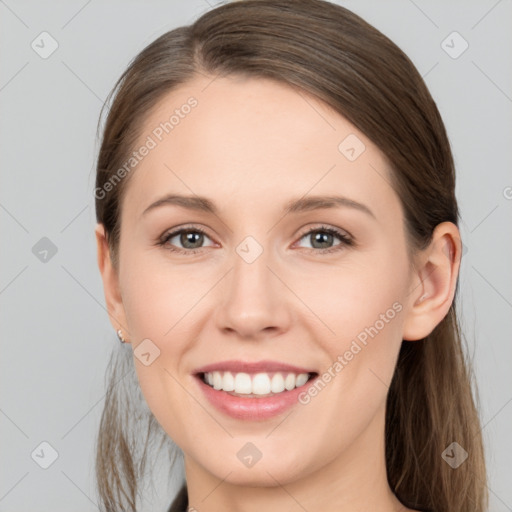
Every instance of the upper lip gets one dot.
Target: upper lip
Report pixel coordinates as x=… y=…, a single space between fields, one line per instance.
x=252 y=367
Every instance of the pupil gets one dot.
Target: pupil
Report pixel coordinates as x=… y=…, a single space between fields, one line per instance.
x=192 y=237
x=323 y=238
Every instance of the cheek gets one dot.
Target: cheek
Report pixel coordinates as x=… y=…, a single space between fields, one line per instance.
x=158 y=296
x=354 y=383
x=363 y=307
x=354 y=294
x=162 y=303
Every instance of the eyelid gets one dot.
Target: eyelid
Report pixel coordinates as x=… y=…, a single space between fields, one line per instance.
x=344 y=237
x=171 y=233
x=325 y=227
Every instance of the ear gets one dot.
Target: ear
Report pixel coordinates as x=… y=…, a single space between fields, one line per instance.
x=110 y=278
x=434 y=283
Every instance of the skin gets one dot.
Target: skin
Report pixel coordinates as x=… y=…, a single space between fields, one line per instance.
x=250 y=146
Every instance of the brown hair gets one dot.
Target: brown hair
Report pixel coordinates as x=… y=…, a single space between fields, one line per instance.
x=329 y=52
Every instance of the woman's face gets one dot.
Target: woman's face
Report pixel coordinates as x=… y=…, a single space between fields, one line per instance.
x=265 y=282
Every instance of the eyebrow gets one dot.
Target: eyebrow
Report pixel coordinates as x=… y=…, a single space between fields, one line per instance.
x=303 y=204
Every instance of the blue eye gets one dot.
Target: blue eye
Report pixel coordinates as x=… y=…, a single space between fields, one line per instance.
x=192 y=239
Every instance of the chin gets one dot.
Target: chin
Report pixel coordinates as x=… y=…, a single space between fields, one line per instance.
x=264 y=473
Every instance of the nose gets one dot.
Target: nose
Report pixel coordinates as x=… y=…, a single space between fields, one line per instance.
x=253 y=302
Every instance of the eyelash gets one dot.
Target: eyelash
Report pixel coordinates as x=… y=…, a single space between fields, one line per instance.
x=344 y=239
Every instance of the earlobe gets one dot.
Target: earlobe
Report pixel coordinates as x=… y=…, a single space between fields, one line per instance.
x=433 y=288
x=110 y=278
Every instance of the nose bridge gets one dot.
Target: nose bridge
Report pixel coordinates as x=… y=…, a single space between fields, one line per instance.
x=253 y=297
x=250 y=269
x=250 y=281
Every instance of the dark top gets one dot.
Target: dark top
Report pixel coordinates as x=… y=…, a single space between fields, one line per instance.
x=180 y=503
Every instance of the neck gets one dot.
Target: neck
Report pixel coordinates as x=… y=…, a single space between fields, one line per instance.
x=352 y=481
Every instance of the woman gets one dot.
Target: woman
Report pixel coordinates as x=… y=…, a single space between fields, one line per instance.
x=277 y=237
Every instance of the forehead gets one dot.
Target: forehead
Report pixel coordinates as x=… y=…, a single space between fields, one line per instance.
x=255 y=141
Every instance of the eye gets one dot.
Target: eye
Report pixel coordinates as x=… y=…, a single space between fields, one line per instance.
x=322 y=238
x=191 y=239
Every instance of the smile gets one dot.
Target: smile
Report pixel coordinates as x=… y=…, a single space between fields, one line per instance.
x=256 y=385
x=253 y=391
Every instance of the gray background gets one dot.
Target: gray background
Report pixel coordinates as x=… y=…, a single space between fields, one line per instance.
x=55 y=334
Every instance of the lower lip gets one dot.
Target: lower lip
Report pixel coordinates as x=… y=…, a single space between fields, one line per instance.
x=252 y=409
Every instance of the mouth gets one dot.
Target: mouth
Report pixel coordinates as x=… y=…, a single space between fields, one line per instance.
x=253 y=391
x=254 y=379
x=255 y=385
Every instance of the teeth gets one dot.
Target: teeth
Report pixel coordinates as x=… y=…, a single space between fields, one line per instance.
x=242 y=383
x=261 y=384
x=302 y=378
x=289 y=382
x=277 y=384
x=217 y=380
x=228 y=382
x=257 y=384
